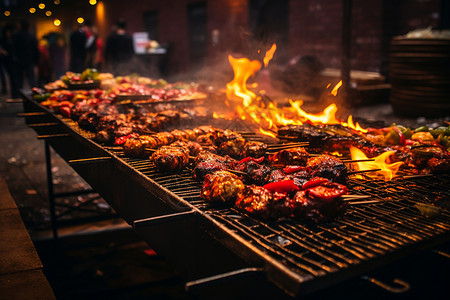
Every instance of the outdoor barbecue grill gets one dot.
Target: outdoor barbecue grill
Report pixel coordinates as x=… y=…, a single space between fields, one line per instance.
x=168 y=212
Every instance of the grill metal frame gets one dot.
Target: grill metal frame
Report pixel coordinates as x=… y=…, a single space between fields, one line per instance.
x=298 y=258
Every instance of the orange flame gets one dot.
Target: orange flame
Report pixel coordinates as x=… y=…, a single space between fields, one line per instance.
x=387 y=170
x=243 y=68
x=270 y=116
x=267 y=132
x=356 y=126
x=336 y=88
x=269 y=54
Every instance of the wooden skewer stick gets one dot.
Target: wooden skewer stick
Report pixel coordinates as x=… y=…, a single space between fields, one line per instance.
x=362 y=171
x=365 y=202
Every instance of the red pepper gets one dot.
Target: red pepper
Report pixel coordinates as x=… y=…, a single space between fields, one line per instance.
x=292 y=169
x=409 y=142
x=400 y=134
x=328 y=192
x=256 y=160
x=285 y=186
x=65 y=111
x=316 y=181
x=121 y=140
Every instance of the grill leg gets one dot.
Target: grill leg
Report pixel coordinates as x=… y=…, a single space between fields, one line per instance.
x=51 y=194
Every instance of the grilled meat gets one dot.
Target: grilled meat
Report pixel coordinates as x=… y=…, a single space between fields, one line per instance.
x=320 y=203
x=254 y=149
x=256 y=201
x=221 y=187
x=208 y=163
x=233 y=147
x=294 y=156
x=255 y=173
x=328 y=167
x=169 y=158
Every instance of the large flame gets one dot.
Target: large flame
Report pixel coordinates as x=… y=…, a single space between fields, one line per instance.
x=268 y=115
x=387 y=170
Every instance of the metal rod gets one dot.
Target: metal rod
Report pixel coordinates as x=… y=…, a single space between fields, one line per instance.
x=51 y=136
x=32 y=114
x=89 y=160
x=161 y=218
x=42 y=124
x=18 y=100
x=50 y=191
x=222 y=276
x=362 y=171
x=68 y=194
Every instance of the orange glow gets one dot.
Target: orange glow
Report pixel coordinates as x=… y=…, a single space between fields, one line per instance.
x=269 y=54
x=327 y=116
x=243 y=68
x=387 y=172
x=269 y=116
x=356 y=126
x=336 y=88
x=336 y=153
x=267 y=132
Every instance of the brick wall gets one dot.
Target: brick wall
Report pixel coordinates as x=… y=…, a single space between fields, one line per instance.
x=315 y=27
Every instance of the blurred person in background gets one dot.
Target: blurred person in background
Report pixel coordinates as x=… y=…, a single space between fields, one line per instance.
x=78 y=40
x=94 y=48
x=44 y=64
x=10 y=59
x=119 y=51
x=26 y=51
x=58 y=48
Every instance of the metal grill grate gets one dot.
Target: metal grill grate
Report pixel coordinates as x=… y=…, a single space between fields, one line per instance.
x=365 y=232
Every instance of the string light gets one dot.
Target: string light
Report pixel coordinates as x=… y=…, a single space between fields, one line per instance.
x=56 y=2
x=32 y=10
x=48 y=13
x=41 y=5
x=56 y=22
x=92 y=2
x=80 y=20
x=7 y=13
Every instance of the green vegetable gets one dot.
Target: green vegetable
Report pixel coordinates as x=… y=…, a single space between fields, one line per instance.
x=89 y=74
x=422 y=129
x=438 y=131
x=407 y=133
x=392 y=138
x=447 y=131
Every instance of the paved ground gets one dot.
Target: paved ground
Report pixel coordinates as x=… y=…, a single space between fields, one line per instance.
x=117 y=266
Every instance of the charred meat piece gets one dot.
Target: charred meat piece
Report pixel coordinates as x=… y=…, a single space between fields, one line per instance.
x=222 y=187
x=140 y=147
x=232 y=147
x=328 y=167
x=208 y=163
x=254 y=149
x=179 y=134
x=193 y=147
x=294 y=156
x=256 y=201
x=255 y=173
x=164 y=138
x=169 y=159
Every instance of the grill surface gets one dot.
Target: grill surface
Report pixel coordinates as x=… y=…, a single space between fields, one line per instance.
x=303 y=257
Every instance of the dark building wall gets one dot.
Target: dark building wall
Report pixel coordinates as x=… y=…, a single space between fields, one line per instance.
x=314 y=27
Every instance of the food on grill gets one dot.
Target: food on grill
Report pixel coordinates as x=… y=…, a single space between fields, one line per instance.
x=254 y=172
x=319 y=203
x=293 y=156
x=319 y=200
x=256 y=201
x=254 y=149
x=328 y=167
x=170 y=158
x=233 y=147
x=208 y=163
x=222 y=187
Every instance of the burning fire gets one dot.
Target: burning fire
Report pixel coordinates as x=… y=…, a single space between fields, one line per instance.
x=387 y=170
x=268 y=115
